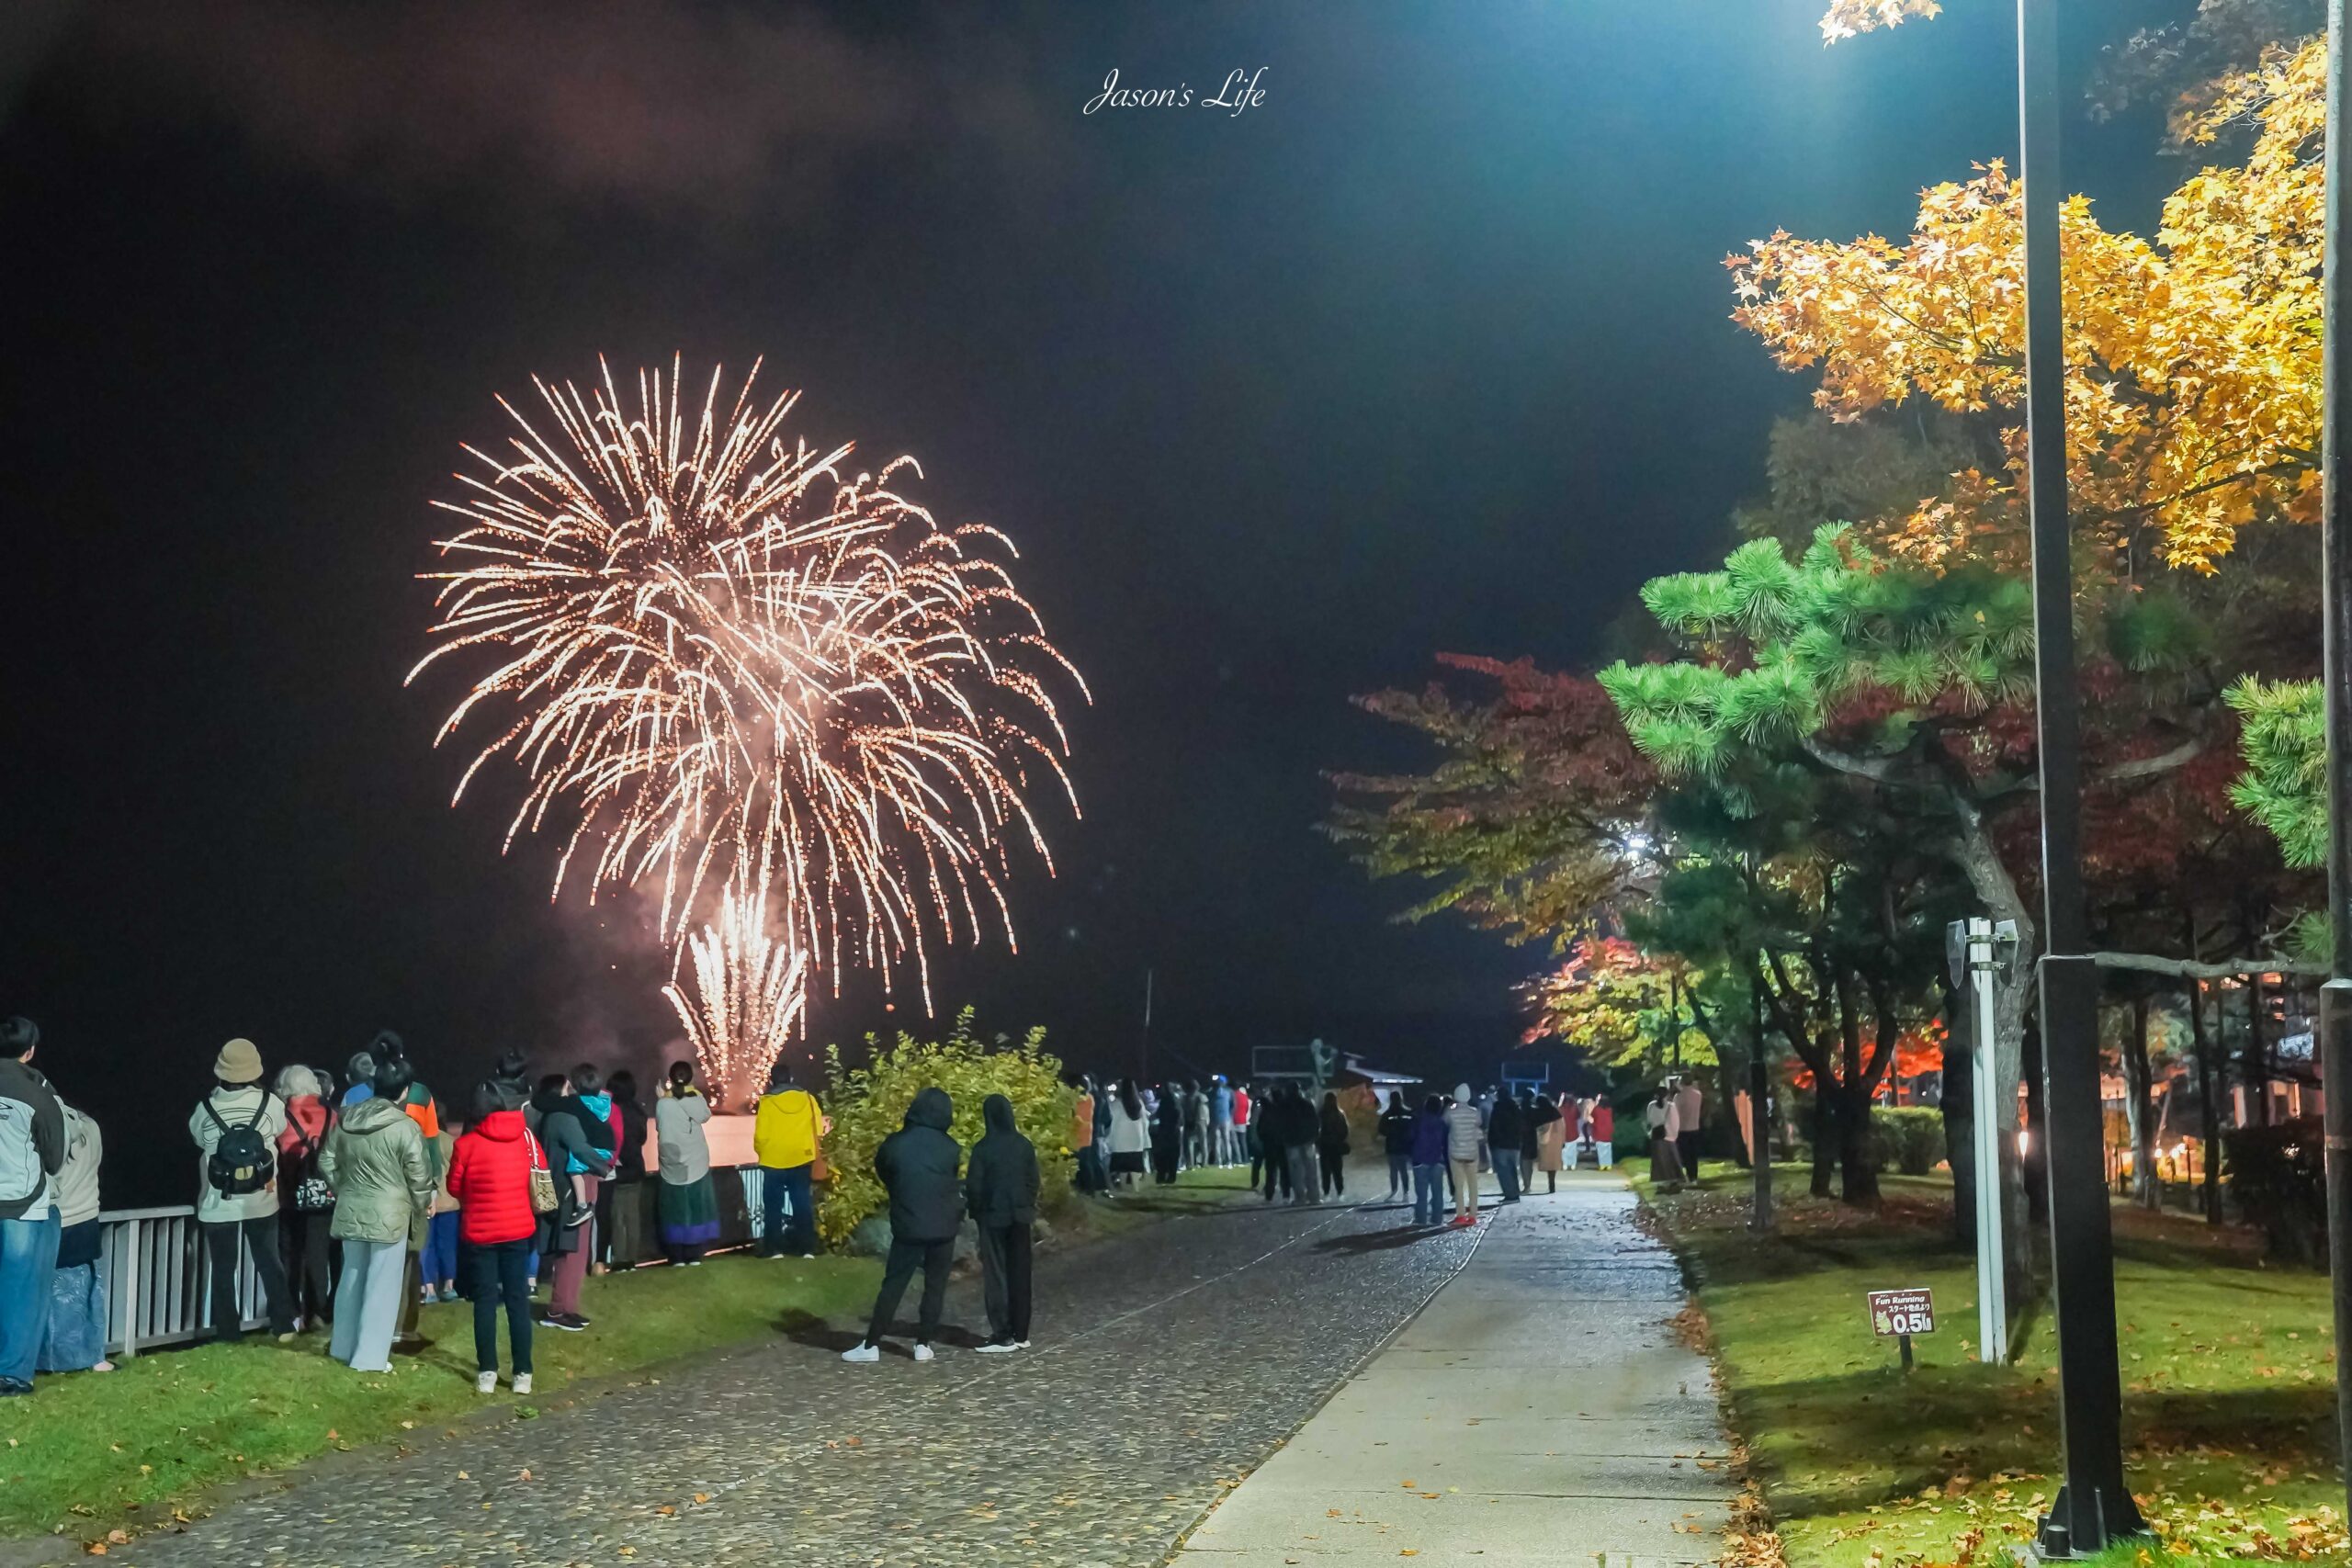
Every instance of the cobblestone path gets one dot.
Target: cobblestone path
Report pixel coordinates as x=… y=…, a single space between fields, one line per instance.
x=1169 y=1362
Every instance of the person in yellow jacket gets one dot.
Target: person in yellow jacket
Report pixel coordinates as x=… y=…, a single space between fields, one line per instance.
x=785 y=1138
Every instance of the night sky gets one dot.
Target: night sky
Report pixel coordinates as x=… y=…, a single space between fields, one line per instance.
x=1428 y=350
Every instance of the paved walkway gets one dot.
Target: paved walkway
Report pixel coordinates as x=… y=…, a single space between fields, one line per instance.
x=1538 y=1410
x=1171 y=1361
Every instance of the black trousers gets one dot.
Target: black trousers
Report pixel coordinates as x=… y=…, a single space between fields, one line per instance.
x=1687 y=1145
x=220 y=1247
x=303 y=1237
x=1004 y=1279
x=1277 y=1160
x=933 y=1257
x=1335 y=1162
x=499 y=1272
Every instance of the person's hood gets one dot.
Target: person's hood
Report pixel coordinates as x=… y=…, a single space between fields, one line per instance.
x=370 y=1115
x=931 y=1109
x=600 y=1102
x=996 y=1114
x=546 y=1099
x=1462 y=1093
x=501 y=1127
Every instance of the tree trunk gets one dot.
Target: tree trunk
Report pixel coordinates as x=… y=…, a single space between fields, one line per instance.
x=2209 y=1100
x=2036 y=1159
x=1860 y=1172
x=1990 y=880
x=1825 y=1137
x=2254 y=1066
x=2139 y=1106
x=1958 y=1095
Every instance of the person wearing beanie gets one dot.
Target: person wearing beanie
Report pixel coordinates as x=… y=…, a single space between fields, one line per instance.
x=235 y=1130
x=359 y=1073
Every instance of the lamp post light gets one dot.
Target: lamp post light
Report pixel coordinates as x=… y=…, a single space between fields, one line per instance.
x=2093 y=1506
x=2335 y=579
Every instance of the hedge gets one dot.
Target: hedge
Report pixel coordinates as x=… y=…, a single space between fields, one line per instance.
x=869 y=1103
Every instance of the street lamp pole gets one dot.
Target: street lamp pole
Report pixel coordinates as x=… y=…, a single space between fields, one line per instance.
x=2335 y=579
x=2093 y=1506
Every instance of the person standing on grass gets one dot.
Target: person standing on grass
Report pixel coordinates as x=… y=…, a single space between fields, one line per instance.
x=1689 y=1101
x=437 y=1265
x=919 y=1165
x=1221 y=1145
x=1130 y=1134
x=1000 y=1190
x=1302 y=1132
x=687 y=1204
x=785 y=1139
x=1666 y=1164
x=1166 y=1135
x=235 y=1130
x=1428 y=1155
x=75 y=1337
x=490 y=1175
x=1396 y=1143
x=1331 y=1145
x=306 y=1204
x=1505 y=1123
x=1088 y=1178
x=564 y=1240
x=375 y=1161
x=32 y=1151
x=619 y=1241
x=1466 y=1129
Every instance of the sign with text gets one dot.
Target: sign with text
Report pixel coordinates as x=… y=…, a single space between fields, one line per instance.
x=1903 y=1312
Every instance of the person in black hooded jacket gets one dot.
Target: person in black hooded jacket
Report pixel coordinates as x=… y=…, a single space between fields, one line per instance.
x=918 y=1165
x=1001 y=1186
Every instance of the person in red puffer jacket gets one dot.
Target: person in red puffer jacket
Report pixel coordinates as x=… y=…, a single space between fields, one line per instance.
x=490 y=1175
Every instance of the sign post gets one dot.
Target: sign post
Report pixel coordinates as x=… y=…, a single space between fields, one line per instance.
x=1898 y=1314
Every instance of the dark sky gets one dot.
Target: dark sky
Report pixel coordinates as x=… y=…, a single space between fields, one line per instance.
x=1428 y=350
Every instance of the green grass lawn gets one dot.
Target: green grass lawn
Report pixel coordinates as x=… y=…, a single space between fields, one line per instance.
x=2228 y=1372
x=90 y=1453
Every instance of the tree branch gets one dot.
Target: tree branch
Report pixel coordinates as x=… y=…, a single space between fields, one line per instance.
x=2190 y=969
x=2180 y=756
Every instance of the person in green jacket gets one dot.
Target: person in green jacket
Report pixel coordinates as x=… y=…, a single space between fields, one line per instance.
x=375 y=1161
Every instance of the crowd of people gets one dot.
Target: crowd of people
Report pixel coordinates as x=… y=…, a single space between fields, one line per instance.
x=358 y=1196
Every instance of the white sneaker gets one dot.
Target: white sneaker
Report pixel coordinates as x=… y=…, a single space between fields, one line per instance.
x=996 y=1348
x=1021 y=1344
x=863 y=1352
x=485 y=1382
x=522 y=1382
x=922 y=1351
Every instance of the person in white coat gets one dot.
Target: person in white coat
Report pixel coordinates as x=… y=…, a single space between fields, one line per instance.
x=1466 y=1130
x=1130 y=1134
x=237 y=1198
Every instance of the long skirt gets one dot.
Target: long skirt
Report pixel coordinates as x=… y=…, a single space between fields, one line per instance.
x=688 y=1216
x=75 y=1340
x=1666 y=1164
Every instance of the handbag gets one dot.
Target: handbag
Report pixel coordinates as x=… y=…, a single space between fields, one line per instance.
x=312 y=1193
x=543 y=1194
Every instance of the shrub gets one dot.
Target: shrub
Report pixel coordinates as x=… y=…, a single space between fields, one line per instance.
x=2277 y=1180
x=869 y=1103
x=1908 y=1138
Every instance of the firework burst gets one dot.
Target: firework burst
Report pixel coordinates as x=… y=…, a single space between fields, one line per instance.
x=748 y=992
x=720 y=658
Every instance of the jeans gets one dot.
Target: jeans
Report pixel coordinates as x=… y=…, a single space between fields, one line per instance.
x=1400 y=1174
x=1306 y=1184
x=498 y=1275
x=1465 y=1185
x=260 y=1237
x=28 y=1260
x=1004 y=1280
x=1428 y=1194
x=1605 y=1152
x=795 y=1237
x=933 y=1257
x=439 y=1264
x=1506 y=1174
x=367 y=1303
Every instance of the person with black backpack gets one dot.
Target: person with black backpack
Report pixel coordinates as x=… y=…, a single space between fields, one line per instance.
x=236 y=1128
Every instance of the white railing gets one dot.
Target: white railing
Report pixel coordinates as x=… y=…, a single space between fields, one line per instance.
x=158 y=1279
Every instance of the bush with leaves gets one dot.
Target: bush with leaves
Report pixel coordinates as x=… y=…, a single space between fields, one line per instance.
x=1909 y=1138
x=869 y=1103
x=2278 y=1182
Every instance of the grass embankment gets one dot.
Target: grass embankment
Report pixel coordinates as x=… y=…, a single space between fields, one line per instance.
x=96 y=1454
x=2228 y=1371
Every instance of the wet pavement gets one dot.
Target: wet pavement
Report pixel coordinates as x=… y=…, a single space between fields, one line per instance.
x=1169 y=1363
